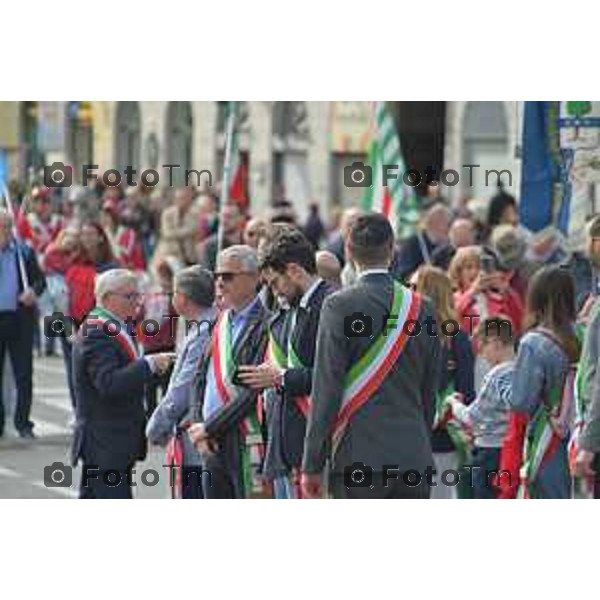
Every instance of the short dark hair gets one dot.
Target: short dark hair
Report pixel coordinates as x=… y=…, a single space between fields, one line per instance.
x=197 y=284
x=498 y=204
x=371 y=239
x=285 y=246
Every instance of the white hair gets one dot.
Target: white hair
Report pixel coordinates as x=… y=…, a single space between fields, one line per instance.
x=111 y=281
x=246 y=256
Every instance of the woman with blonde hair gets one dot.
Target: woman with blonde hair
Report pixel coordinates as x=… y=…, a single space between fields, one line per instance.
x=464 y=267
x=482 y=288
x=449 y=447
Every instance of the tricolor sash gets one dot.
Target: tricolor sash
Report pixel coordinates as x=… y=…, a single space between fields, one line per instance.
x=224 y=369
x=276 y=353
x=369 y=372
x=112 y=326
x=579 y=419
x=294 y=362
x=174 y=463
x=222 y=357
x=548 y=427
x=578 y=393
x=289 y=359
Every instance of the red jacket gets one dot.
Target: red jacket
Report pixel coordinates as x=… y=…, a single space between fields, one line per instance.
x=506 y=304
x=80 y=278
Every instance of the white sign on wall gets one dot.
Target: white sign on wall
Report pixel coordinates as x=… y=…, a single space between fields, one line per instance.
x=51 y=125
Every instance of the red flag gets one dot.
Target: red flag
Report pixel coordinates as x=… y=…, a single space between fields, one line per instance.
x=239 y=185
x=23 y=226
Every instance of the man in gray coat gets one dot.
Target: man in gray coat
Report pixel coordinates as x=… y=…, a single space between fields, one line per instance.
x=384 y=450
x=193 y=298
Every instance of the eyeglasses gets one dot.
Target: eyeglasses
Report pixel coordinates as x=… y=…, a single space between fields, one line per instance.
x=130 y=297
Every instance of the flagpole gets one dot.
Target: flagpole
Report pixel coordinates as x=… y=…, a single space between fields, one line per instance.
x=226 y=172
x=11 y=212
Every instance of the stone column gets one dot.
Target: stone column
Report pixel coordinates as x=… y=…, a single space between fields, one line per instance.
x=319 y=154
x=261 y=124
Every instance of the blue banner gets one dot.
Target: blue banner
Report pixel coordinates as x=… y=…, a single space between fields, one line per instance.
x=3 y=168
x=537 y=171
x=546 y=186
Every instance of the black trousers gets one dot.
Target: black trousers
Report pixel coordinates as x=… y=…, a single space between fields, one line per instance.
x=226 y=480
x=67 y=349
x=16 y=339
x=104 y=485
x=395 y=489
x=191 y=482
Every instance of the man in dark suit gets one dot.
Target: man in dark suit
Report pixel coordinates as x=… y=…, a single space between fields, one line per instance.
x=109 y=377
x=17 y=320
x=229 y=436
x=420 y=247
x=289 y=267
x=372 y=405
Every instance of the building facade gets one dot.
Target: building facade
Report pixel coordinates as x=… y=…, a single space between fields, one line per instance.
x=296 y=149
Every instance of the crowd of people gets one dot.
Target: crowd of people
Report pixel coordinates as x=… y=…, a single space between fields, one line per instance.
x=265 y=388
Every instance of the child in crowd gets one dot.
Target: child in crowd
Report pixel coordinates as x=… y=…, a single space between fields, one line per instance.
x=488 y=415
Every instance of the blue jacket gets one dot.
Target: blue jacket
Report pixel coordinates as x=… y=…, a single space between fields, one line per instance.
x=175 y=405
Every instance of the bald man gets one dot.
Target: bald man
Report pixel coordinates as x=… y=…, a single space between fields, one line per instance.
x=329 y=267
x=419 y=248
x=462 y=233
x=347 y=219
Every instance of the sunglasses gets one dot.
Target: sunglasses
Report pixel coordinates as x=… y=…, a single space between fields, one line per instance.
x=228 y=276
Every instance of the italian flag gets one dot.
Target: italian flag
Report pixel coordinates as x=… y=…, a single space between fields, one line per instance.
x=238 y=171
x=396 y=200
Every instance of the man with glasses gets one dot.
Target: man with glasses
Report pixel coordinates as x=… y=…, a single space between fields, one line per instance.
x=230 y=434
x=109 y=376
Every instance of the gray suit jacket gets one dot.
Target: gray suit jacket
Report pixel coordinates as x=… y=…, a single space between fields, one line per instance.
x=175 y=406
x=393 y=427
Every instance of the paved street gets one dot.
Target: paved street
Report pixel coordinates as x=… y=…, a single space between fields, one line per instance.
x=22 y=462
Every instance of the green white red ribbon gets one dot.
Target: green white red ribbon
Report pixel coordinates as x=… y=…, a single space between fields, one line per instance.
x=369 y=372
x=112 y=326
